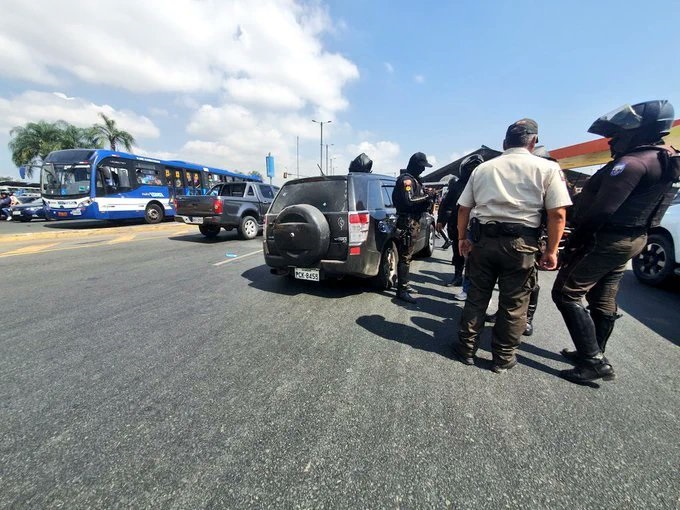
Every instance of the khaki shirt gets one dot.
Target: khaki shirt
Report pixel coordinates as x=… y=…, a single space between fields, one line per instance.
x=515 y=187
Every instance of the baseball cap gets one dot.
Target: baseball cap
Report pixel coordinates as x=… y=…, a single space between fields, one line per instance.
x=521 y=127
x=420 y=157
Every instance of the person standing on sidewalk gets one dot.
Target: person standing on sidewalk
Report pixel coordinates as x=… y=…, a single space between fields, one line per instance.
x=508 y=194
x=616 y=208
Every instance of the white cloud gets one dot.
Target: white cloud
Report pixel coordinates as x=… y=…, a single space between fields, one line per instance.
x=262 y=53
x=389 y=67
x=33 y=106
x=419 y=78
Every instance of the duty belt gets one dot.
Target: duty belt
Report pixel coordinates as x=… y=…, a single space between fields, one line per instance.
x=497 y=229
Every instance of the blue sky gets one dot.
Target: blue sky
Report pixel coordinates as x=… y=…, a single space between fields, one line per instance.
x=226 y=82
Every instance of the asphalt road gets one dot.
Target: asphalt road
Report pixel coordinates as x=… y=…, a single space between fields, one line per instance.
x=153 y=368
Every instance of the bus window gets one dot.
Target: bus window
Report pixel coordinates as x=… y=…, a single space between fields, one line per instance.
x=115 y=174
x=193 y=180
x=148 y=174
x=175 y=181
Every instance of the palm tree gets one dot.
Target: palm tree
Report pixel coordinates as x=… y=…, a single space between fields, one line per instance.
x=34 y=142
x=73 y=137
x=108 y=132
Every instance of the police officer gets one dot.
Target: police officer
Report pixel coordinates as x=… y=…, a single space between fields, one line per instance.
x=508 y=194
x=448 y=212
x=617 y=206
x=411 y=201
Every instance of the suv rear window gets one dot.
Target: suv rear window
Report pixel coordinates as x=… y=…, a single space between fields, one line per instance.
x=325 y=195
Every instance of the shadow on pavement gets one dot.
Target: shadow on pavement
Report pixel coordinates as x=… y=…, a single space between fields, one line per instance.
x=261 y=278
x=197 y=237
x=656 y=308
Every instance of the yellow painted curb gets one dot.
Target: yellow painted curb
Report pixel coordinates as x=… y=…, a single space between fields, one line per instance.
x=115 y=231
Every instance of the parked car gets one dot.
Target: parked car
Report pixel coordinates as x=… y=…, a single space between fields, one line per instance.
x=241 y=205
x=29 y=207
x=331 y=226
x=658 y=263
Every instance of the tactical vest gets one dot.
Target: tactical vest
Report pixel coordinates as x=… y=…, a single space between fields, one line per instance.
x=646 y=208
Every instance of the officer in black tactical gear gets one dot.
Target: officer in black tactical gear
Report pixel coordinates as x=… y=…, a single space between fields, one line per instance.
x=616 y=208
x=411 y=201
x=448 y=212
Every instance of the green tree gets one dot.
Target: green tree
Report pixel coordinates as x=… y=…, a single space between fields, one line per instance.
x=108 y=132
x=73 y=137
x=255 y=173
x=33 y=142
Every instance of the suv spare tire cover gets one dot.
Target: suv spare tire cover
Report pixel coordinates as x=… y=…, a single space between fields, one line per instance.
x=301 y=234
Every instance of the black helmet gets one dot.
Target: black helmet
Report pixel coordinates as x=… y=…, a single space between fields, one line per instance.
x=417 y=164
x=631 y=126
x=469 y=164
x=453 y=180
x=362 y=163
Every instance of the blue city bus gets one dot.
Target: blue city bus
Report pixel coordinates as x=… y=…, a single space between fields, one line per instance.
x=111 y=185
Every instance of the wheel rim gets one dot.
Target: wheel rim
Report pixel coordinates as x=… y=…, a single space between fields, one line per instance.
x=152 y=213
x=653 y=260
x=391 y=267
x=250 y=228
x=431 y=240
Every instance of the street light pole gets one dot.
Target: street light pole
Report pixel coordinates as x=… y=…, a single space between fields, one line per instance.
x=321 y=123
x=327 y=155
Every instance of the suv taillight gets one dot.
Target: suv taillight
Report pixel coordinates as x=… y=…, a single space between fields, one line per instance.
x=217 y=206
x=358 y=229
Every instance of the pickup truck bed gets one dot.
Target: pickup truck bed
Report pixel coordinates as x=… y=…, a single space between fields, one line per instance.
x=240 y=205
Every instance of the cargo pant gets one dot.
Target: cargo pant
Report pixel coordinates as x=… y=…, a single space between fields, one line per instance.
x=595 y=272
x=410 y=227
x=511 y=262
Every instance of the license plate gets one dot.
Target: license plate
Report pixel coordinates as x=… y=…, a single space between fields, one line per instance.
x=62 y=214
x=196 y=220
x=307 y=274
x=16 y=213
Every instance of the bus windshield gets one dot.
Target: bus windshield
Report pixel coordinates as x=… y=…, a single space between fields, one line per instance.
x=65 y=180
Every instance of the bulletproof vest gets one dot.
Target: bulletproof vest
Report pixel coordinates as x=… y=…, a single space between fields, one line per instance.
x=645 y=207
x=400 y=199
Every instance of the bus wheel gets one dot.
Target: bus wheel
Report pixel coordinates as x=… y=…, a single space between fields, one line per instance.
x=153 y=213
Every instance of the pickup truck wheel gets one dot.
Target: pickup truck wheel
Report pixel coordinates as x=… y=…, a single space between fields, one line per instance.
x=209 y=231
x=153 y=214
x=248 y=228
x=655 y=264
x=387 y=272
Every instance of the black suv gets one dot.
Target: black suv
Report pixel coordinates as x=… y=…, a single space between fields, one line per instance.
x=331 y=226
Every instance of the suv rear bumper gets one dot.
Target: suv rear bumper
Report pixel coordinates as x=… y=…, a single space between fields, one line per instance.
x=365 y=265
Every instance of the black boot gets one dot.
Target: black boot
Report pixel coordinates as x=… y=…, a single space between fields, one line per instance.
x=533 y=304
x=604 y=325
x=582 y=332
x=405 y=296
x=589 y=370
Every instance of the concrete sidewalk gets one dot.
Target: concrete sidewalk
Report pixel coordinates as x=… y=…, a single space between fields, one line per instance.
x=87 y=229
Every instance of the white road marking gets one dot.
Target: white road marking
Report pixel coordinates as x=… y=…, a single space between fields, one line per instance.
x=237 y=258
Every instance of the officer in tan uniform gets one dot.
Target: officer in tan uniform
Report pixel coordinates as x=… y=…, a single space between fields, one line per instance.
x=507 y=196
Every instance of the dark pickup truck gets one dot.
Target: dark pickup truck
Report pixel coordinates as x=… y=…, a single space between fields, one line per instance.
x=240 y=205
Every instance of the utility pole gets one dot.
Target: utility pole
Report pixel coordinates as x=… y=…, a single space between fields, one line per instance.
x=321 y=123
x=297 y=154
x=327 y=145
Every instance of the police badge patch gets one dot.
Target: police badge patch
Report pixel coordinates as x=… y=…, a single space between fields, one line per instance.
x=617 y=169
